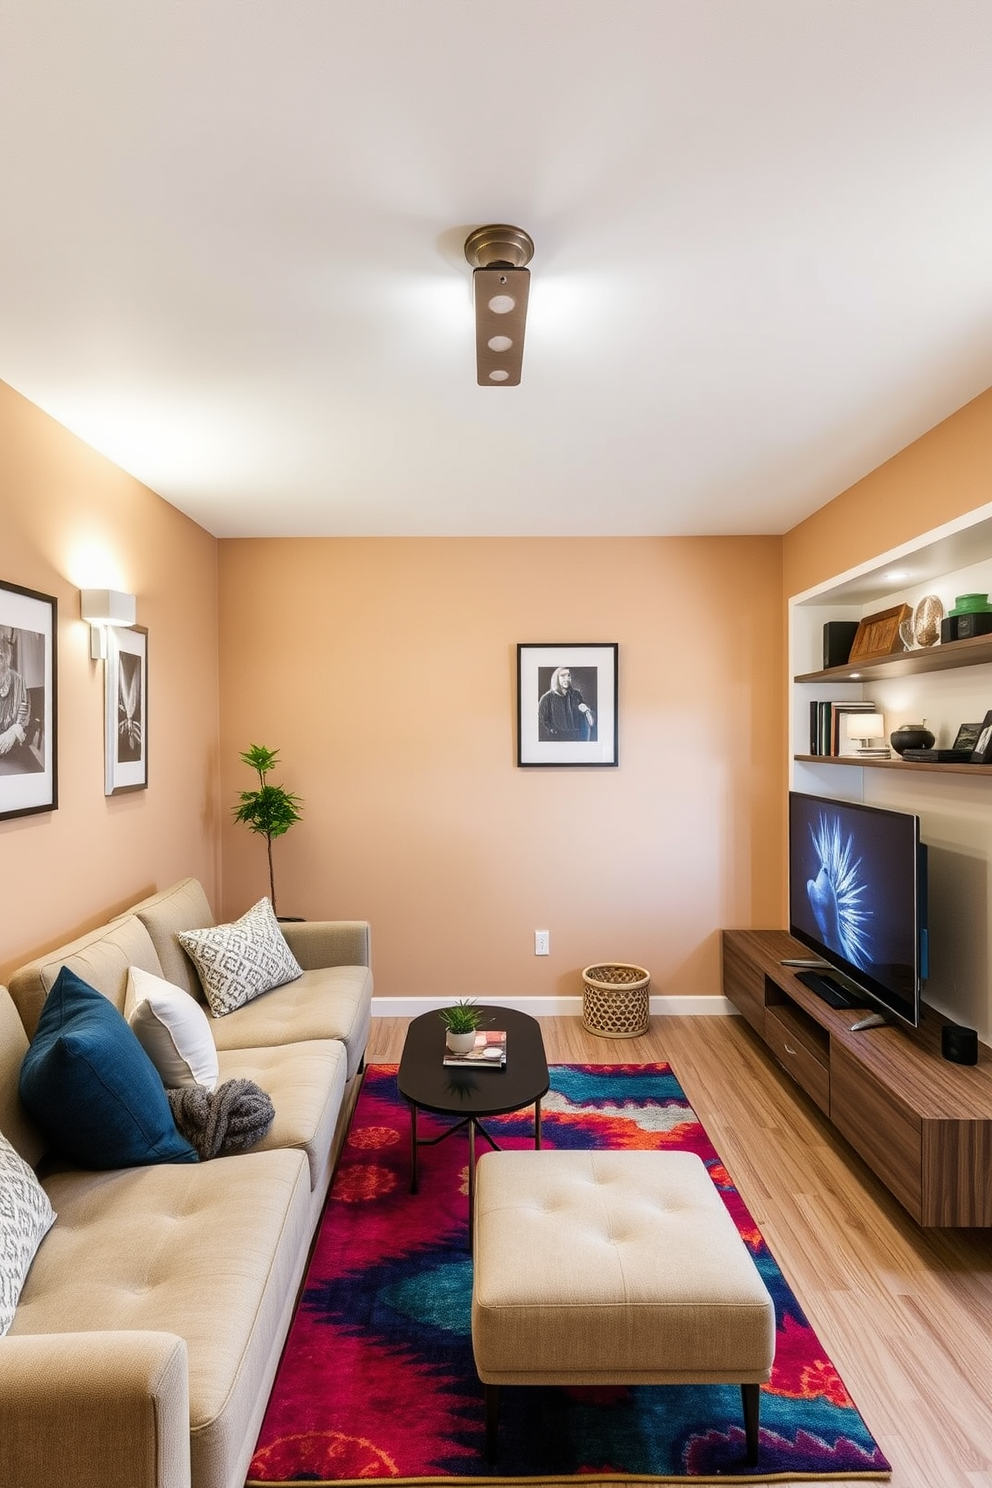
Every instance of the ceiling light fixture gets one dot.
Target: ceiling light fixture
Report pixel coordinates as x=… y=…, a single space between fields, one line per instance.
x=501 y=282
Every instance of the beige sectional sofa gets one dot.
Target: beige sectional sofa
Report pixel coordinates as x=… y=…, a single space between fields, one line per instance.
x=152 y=1319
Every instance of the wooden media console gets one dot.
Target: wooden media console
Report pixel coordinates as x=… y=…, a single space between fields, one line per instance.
x=922 y=1124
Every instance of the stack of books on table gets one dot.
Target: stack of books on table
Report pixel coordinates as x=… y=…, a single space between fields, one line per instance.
x=488 y=1052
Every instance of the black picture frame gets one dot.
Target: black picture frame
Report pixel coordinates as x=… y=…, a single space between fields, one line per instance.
x=126 y=710
x=967 y=736
x=28 y=701
x=573 y=722
x=982 y=752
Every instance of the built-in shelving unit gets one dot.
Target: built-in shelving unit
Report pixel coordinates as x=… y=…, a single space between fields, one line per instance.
x=894 y=764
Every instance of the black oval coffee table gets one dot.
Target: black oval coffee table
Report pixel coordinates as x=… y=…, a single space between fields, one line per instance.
x=468 y=1094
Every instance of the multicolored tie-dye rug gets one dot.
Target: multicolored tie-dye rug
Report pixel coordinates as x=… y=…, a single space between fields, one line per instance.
x=378 y=1384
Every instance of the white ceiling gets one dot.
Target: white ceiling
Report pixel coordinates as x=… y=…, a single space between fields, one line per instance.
x=231 y=239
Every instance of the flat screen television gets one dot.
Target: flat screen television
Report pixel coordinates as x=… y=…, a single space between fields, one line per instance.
x=858 y=898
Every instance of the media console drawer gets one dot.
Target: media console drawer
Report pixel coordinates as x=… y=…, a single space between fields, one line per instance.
x=800 y=1052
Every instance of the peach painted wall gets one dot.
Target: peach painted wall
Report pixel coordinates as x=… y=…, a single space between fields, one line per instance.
x=384 y=670
x=942 y=475
x=72 y=519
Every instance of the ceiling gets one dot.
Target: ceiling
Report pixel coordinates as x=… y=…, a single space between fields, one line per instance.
x=231 y=252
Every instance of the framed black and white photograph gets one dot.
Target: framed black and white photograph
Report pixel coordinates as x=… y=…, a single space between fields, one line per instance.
x=28 y=712
x=567 y=704
x=982 y=752
x=126 y=730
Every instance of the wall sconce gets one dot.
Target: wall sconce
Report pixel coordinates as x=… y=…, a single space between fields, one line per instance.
x=103 y=607
x=499 y=255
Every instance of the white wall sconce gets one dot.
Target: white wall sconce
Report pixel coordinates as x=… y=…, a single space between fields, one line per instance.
x=101 y=608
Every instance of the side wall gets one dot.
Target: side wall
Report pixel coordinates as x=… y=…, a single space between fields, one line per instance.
x=384 y=671
x=71 y=519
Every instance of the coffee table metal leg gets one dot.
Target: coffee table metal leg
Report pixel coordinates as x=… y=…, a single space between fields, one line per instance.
x=413 y=1148
x=537 y=1124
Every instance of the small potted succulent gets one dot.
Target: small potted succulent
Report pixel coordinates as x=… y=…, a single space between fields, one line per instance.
x=460 y=1022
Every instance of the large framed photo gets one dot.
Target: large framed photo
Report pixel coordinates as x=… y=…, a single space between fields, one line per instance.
x=567 y=704
x=126 y=728
x=28 y=712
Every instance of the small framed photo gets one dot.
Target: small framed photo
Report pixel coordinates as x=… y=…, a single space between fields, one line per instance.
x=126 y=722
x=567 y=704
x=967 y=736
x=28 y=713
x=982 y=752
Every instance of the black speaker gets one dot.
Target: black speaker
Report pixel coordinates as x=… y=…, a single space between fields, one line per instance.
x=959 y=1045
x=838 y=638
x=961 y=627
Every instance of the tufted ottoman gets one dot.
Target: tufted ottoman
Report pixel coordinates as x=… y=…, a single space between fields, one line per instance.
x=613 y=1267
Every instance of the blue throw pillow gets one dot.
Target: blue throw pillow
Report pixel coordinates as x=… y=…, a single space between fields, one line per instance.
x=91 y=1087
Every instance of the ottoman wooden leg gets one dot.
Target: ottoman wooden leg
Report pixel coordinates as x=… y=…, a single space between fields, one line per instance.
x=751 y=1400
x=492 y=1421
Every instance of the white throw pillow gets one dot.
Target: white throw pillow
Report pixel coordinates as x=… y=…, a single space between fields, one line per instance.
x=26 y=1216
x=241 y=961
x=173 y=1030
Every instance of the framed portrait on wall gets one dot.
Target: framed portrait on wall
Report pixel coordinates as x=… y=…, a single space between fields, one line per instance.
x=126 y=727
x=567 y=704
x=28 y=711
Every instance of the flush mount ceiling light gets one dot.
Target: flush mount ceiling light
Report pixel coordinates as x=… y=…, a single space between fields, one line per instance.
x=501 y=281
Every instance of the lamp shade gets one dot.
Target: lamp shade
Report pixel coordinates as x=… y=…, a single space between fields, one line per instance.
x=864 y=725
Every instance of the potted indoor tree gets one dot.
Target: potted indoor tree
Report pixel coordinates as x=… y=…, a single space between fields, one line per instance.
x=270 y=810
x=460 y=1022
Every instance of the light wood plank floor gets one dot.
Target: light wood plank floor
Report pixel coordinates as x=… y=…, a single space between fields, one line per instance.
x=905 y=1313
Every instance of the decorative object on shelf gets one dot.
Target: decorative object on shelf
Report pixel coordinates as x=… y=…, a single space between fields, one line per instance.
x=28 y=713
x=971 y=616
x=911 y=736
x=967 y=736
x=125 y=731
x=460 y=1023
x=838 y=638
x=926 y=620
x=982 y=752
x=865 y=727
x=878 y=634
x=567 y=704
x=270 y=811
x=615 y=1000
x=971 y=604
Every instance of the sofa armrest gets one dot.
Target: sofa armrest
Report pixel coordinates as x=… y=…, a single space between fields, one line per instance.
x=319 y=943
x=97 y=1410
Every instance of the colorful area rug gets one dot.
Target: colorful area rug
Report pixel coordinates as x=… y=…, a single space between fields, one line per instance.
x=378 y=1385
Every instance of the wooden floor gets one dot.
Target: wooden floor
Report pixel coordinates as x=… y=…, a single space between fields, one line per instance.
x=905 y=1314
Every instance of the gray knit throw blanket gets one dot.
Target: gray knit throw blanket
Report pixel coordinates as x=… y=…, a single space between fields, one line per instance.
x=234 y=1116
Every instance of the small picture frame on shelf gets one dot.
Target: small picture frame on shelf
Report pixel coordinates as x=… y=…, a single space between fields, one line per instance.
x=878 y=634
x=967 y=736
x=982 y=752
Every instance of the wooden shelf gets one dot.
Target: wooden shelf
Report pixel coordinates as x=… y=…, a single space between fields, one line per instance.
x=922 y=1124
x=975 y=651
x=892 y=764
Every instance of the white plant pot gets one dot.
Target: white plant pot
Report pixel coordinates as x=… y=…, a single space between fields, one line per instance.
x=460 y=1043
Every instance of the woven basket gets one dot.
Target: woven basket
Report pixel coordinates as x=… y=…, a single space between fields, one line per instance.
x=615 y=1000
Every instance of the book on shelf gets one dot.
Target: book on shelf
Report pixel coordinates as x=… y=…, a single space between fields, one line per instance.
x=488 y=1051
x=826 y=723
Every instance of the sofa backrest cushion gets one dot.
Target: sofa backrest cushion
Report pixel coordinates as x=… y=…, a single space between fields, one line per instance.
x=184 y=906
x=15 y=1123
x=102 y=958
x=91 y=1087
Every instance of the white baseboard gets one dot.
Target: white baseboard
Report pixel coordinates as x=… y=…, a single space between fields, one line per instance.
x=556 y=1007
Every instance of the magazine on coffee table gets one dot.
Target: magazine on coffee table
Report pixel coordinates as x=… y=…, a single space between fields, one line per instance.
x=488 y=1052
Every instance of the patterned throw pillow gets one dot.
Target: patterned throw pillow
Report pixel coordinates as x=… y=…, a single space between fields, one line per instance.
x=26 y=1216
x=241 y=961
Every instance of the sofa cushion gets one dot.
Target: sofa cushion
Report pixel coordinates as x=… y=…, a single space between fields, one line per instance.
x=182 y=906
x=102 y=958
x=214 y=1253
x=332 y=1003
x=172 y=1029
x=240 y=961
x=26 y=1216
x=91 y=1087
x=15 y=1122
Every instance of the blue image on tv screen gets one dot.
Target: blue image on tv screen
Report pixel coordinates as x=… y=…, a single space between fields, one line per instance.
x=853 y=889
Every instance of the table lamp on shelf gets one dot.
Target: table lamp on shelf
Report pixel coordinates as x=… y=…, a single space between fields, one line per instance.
x=865 y=728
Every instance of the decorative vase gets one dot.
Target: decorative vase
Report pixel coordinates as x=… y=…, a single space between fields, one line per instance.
x=971 y=604
x=459 y=1043
x=911 y=736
